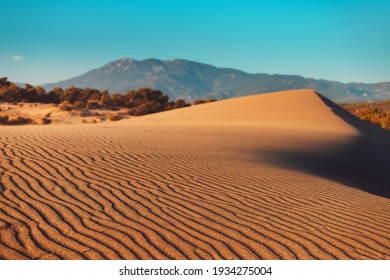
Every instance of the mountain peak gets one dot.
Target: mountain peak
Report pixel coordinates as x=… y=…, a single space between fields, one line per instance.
x=121 y=61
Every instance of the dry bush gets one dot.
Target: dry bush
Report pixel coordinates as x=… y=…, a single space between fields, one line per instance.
x=65 y=106
x=375 y=113
x=376 y=117
x=139 y=102
x=93 y=104
x=115 y=117
x=42 y=121
x=5 y=120
x=202 y=101
x=46 y=121
x=78 y=105
x=86 y=113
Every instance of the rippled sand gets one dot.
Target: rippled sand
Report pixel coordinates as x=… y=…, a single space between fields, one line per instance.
x=285 y=175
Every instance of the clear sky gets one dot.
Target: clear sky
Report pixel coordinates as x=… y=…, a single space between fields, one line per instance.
x=47 y=41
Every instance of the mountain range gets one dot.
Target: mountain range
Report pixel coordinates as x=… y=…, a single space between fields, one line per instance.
x=190 y=80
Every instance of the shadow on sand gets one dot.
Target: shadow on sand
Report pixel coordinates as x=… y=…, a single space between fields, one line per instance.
x=363 y=163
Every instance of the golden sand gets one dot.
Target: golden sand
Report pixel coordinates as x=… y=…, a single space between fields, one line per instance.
x=286 y=175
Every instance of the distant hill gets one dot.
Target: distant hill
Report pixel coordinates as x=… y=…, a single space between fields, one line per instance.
x=192 y=80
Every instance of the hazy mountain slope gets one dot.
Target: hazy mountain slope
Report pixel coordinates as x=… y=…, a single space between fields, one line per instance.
x=193 y=80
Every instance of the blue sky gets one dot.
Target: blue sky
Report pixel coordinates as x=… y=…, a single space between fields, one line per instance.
x=48 y=41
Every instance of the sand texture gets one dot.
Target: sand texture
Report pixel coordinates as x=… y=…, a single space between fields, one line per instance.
x=285 y=175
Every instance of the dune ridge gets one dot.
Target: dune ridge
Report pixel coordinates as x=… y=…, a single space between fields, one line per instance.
x=234 y=179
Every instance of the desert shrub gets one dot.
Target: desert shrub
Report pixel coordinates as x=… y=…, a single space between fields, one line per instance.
x=5 y=120
x=78 y=105
x=65 y=106
x=115 y=117
x=376 y=117
x=46 y=121
x=141 y=102
x=375 y=113
x=21 y=120
x=85 y=113
x=202 y=101
x=180 y=103
x=147 y=108
x=93 y=104
x=139 y=111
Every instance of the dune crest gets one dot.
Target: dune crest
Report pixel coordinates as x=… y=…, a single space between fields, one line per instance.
x=234 y=179
x=297 y=109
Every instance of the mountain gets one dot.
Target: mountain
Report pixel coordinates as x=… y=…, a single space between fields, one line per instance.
x=192 y=80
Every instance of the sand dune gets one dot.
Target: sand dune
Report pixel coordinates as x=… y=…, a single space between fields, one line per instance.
x=285 y=175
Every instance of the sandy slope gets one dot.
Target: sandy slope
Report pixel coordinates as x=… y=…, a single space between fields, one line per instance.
x=278 y=176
